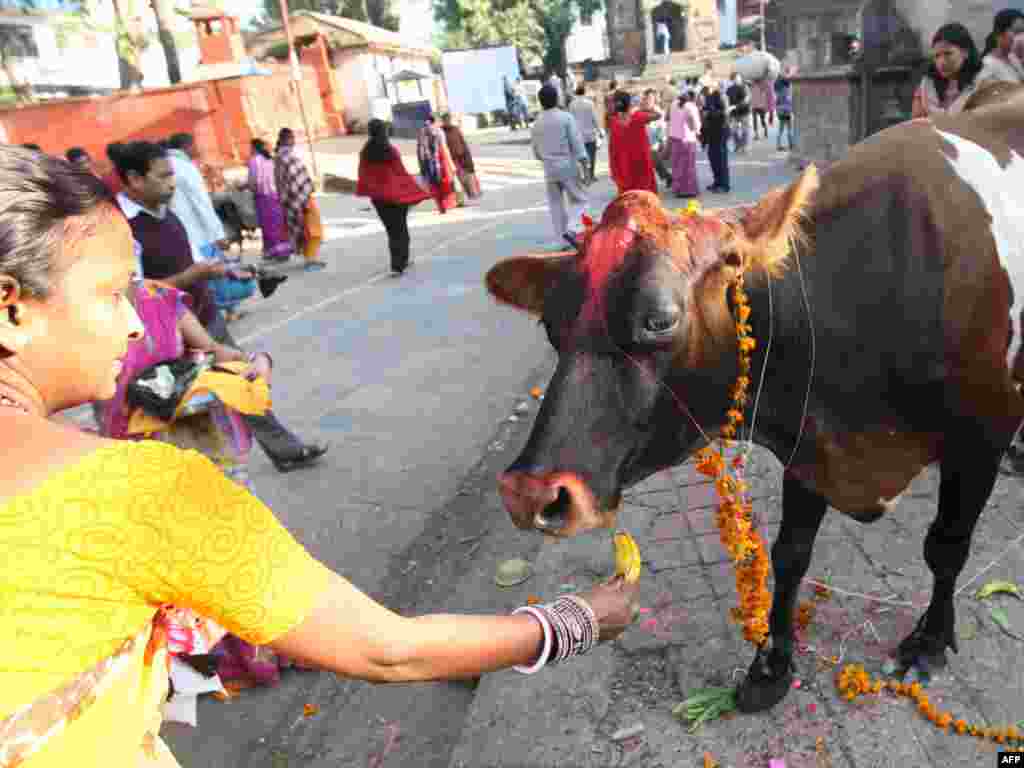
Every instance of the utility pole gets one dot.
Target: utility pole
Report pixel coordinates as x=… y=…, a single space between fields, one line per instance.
x=296 y=80
x=764 y=25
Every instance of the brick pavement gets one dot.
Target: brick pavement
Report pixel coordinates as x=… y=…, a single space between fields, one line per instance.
x=685 y=640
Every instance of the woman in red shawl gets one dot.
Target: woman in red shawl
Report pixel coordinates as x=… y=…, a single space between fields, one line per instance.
x=629 y=148
x=391 y=189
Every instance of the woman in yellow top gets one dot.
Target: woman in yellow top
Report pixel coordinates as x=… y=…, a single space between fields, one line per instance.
x=96 y=535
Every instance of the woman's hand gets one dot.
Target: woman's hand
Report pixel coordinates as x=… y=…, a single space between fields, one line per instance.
x=259 y=368
x=614 y=603
x=225 y=354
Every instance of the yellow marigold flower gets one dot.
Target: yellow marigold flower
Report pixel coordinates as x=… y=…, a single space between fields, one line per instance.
x=1012 y=733
x=747 y=344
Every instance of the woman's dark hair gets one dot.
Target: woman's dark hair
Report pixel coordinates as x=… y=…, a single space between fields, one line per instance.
x=285 y=136
x=259 y=146
x=137 y=157
x=75 y=154
x=956 y=34
x=32 y=147
x=377 y=148
x=1001 y=24
x=38 y=194
x=623 y=101
x=181 y=141
x=547 y=96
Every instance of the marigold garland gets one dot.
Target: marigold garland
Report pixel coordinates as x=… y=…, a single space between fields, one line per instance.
x=854 y=681
x=734 y=515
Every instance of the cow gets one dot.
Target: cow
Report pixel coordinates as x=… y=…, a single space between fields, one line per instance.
x=883 y=301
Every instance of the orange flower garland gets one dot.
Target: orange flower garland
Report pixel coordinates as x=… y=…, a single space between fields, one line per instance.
x=854 y=681
x=735 y=511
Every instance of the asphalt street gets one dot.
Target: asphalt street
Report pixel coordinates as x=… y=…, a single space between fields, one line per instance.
x=421 y=385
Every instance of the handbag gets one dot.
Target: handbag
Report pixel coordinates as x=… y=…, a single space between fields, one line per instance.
x=158 y=389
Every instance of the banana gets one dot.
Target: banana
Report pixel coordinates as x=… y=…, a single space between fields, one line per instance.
x=627 y=557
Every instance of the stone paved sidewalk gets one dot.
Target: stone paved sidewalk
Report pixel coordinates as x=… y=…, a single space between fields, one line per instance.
x=567 y=716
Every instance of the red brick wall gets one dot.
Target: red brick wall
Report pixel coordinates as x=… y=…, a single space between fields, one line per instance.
x=223 y=115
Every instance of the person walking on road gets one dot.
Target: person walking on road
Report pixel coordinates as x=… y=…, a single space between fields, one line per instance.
x=462 y=157
x=715 y=137
x=392 y=191
x=133 y=526
x=585 y=114
x=277 y=246
x=301 y=211
x=784 y=109
x=436 y=166
x=684 y=130
x=558 y=145
x=738 y=95
x=629 y=147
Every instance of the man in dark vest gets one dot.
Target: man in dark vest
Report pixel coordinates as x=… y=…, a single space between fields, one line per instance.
x=164 y=253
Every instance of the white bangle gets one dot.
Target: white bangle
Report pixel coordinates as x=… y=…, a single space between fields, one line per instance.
x=546 y=651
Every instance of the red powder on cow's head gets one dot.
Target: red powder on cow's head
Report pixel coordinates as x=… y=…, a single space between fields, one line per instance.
x=606 y=252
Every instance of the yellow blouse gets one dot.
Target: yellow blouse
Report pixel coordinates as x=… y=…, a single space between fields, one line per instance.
x=87 y=557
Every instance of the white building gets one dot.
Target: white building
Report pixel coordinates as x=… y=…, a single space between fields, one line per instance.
x=67 y=57
x=588 y=40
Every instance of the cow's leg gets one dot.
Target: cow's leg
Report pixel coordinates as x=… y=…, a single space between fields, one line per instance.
x=771 y=675
x=967 y=473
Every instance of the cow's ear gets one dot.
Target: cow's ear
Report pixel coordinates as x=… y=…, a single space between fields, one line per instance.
x=768 y=230
x=523 y=281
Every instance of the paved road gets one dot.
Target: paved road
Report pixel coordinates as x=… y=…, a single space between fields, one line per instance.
x=420 y=383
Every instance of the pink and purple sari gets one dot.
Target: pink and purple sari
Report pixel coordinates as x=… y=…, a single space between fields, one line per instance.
x=277 y=245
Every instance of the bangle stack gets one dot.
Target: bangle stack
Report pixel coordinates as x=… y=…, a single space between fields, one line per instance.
x=570 y=629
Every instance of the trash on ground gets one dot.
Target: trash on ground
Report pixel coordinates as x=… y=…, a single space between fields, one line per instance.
x=627 y=733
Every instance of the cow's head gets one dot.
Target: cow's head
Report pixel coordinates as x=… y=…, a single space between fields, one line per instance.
x=647 y=346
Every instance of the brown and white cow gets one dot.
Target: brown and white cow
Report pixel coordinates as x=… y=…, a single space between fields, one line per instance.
x=882 y=296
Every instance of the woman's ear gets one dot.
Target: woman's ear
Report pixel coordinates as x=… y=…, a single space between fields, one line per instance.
x=14 y=336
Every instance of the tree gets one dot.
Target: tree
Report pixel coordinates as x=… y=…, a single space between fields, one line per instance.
x=538 y=28
x=164 y=12
x=380 y=13
x=16 y=42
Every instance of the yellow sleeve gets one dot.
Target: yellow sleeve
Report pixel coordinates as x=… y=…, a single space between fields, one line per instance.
x=199 y=540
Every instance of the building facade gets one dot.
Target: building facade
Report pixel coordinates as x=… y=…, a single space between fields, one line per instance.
x=695 y=26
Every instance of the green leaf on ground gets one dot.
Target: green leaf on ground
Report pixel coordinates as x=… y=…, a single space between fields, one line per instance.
x=1002 y=620
x=706 y=704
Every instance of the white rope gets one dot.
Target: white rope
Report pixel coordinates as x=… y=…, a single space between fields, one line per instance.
x=810 y=374
x=991 y=565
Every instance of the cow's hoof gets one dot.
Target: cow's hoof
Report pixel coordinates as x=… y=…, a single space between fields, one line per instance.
x=920 y=654
x=767 y=682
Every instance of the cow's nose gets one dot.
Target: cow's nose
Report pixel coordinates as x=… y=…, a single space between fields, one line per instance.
x=538 y=500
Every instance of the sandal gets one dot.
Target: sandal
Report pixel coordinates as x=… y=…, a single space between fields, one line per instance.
x=307 y=456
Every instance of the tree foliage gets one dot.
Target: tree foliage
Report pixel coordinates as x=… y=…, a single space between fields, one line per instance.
x=538 y=28
x=380 y=13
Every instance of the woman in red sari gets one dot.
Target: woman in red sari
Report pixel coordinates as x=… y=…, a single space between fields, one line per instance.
x=436 y=165
x=629 y=147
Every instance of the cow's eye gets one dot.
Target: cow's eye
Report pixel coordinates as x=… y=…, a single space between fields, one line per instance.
x=660 y=322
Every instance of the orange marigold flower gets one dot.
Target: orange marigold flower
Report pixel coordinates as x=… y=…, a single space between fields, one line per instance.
x=747 y=344
x=960 y=726
x=944 y=720
x=1012 y=733
x=743 y=312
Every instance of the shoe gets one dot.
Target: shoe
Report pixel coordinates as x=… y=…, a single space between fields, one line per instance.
x=307 y=456
x=268 y=284
x=314 y=266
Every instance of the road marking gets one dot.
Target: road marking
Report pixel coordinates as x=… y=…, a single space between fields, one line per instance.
x=267 y=330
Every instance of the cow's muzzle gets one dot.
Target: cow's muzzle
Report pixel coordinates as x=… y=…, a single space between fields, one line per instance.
x=557 y=503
